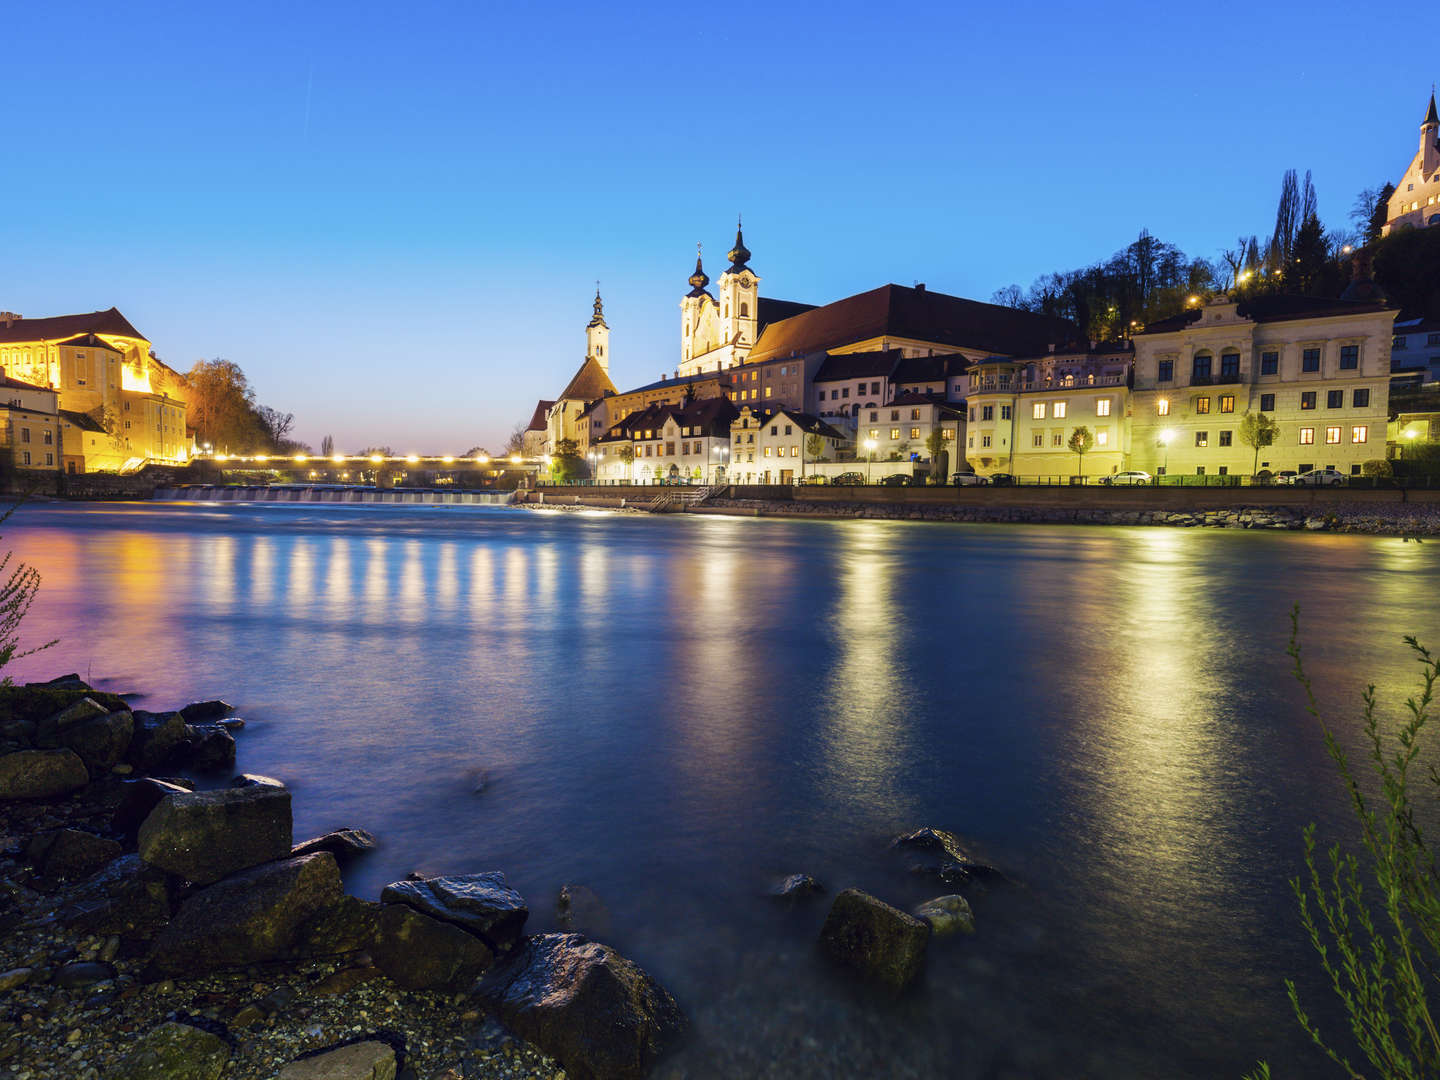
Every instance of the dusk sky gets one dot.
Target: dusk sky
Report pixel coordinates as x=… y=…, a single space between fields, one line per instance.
x=393 y=216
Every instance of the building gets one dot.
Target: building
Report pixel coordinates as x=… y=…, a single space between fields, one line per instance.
x=1416 y=201
x=1319 y=368
x=1414 y=354
x=900 y=430
x=604 y=413
x=532 y=439
x=31 y=421
x=780 y=447
x=1022 y=412
x=591 y=381
x=103 y=367
x=670 y=444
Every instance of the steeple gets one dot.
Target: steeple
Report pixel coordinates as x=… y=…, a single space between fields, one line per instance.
x=597 y=336
x=698 y=279
x=739 y=255
x=598 y=319
x=1432 y=118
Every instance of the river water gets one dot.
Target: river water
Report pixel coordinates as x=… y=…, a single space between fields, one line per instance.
x=676 y=711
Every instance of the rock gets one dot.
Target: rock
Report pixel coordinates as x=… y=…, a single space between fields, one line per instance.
x=127 y=897
x=63 y=682
x=137 y=799
x=583 y=1003
x=198 y=711
x=344 y=844
x=204 y=835
x=343 y=981
x=944 y=857
x=579 y=909
x=79 y=973
x=155 y=738
x=882 y=943
x=947 y=915
x=77 y=712
x=797 y=887
x=421 y=953
x=370 y=1060
x=482 y=904
x=250 y=779
x=9 y=980
x=232 y=723
x=174 y=1051
x=207 y=748
x=251 y=917
x=41 y=774
x=71 y=853
x=248 y=1016
x=20 y=732
x=345 y=927
x=101 y=741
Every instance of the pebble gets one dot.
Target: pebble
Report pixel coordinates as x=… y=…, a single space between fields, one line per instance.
x=13 y=978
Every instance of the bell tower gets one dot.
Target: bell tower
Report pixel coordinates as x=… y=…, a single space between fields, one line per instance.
x=739 y=299
x=692 y=311
x=597 y=335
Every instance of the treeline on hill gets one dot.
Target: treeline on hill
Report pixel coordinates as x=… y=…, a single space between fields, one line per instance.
x=1149 y=280
x=223 y=411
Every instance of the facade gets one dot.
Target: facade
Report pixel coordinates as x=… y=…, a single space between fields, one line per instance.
x=1022 y=413
x=1416 y=201
x=666 y=444
x=900 y=430
x=1414 y=354
x=564 y=420
x=1319 y=368
x=102 y=366
x=31 y=425
x=779 y=447
x=604 y=413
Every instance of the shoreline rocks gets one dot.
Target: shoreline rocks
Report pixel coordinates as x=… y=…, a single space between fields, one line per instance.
x=204 y=835
x=882 y=943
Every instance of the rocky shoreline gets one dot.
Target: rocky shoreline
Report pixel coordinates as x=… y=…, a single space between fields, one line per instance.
x=156 y=932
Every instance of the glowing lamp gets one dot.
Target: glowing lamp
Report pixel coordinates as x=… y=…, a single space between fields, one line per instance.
x=300 y=457
x=376 y=459
x=338 y=459
x=447 y=459
x=481 y=459
x=411 y=458
x=261 y=457
x=514 y=459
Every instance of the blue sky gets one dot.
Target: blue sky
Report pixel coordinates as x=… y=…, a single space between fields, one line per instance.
x=392 y=216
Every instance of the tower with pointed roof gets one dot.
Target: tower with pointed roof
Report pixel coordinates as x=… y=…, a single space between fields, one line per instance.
x=716 y=333
x=739 y=298
x=597 y=335
x=1416 y=201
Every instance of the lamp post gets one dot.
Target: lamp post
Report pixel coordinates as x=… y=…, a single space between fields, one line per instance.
x=594 y=457
x=870 y=458
x=1165 y=437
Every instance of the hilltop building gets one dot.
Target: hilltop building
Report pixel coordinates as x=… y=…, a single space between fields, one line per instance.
x=1414 y=203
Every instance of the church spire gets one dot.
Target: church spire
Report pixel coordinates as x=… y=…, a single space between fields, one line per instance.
x=698 y=279
x=739 y=255
x=598 y=319
x=1431 y=117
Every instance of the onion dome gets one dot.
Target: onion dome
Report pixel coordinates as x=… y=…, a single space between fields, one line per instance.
x=598 y=319
x=699 y=279
x=739 y=255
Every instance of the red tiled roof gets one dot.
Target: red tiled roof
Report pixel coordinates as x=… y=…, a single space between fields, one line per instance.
x=540 y=418
x=589 y=382
x=60 y=327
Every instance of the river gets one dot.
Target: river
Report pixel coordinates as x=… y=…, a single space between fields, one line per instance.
x=676 y=711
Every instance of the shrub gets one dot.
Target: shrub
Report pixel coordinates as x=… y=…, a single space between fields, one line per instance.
x=1377 y=467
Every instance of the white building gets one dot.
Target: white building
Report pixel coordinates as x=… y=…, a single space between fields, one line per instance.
x=780 y=447
x=1416 y=202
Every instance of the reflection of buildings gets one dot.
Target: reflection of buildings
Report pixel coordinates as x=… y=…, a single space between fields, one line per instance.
x=104 y=369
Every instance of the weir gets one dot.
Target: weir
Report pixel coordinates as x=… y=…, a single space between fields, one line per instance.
x=332 y=493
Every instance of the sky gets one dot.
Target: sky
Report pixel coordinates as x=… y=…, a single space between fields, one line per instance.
x=393 y=216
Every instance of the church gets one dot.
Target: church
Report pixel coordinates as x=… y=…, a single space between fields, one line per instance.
x=1416 y=201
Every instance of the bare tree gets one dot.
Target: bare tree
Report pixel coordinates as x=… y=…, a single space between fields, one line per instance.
x=516 y=443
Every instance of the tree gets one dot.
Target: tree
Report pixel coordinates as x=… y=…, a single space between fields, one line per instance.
x=566 y=464
x=17 y=593
x=327 y=446
x=815 y=446
x=1372 y=207
x=221 y=407
x=1308 y=258
x=626 y=453
x=939 y=455
x=1258 y=430
x=1080 y=441
x=515 y=444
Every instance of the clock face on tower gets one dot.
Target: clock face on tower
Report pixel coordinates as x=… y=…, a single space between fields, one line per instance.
x=745 y=281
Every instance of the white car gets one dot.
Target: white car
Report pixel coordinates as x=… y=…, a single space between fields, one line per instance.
x=1126 y=479
x=968 y=479
x=1321 y=478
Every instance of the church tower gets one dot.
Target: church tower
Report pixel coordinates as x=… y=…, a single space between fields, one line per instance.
x=1429 y=136
x=597 y=335
x=739 y=300
x=693 y=339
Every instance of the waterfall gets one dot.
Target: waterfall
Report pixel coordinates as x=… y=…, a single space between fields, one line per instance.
x=332 y=494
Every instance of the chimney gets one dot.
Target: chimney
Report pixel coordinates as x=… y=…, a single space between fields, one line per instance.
x=919 y=286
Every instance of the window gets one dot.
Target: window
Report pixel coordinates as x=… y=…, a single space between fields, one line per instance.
x=774 y=429
x=1332 y=434
x=987 y=412
x=25 y=434
x=972 y=414
x=1335 y=399
x=1227 y=403
x=1004 y=412
x=1059 y=411
x=1037 y=411
x=1361 y=399
x=948 y=434
x=970 y=442
x=49 y=459
x=1202 y=404
x=1307 y=436
x=1102 y=407
x=1307 y=399
x=1310 y=360
x=48 y=437
x=1166 y=371
x=1230 y=364
x=1162 y=407
x=1432 y=339
x=1057 y=438
x=894 y=415
x=1350 y=356
x=894 y=434
x=767 y=452
x=794 y=451
x=1102 y=438
x=1267 y=402
x=745 y=314
x=768 y=389
x=1358 y=433
x=788 y=429
x=1202 y=438
x=1269 y=363
x=1398 y=342
x=874 y=388
x=845 y=392
x=1200 y=367
x=984 y=440
x=874 y=433
x=1226 y=438
x=1039 y=439
x=914 y=433
x=669 y=449
x=874 y=416
x=914 y=414
x=25 y=457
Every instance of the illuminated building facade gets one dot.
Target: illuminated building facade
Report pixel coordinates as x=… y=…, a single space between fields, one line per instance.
x=1416 y=201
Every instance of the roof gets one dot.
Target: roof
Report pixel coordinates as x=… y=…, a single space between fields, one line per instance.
x=909 y=397
x=682 y=380
x=860 y=365
x=929 y=368
x=918 y=314
x=540 y=418
x=1431 y=117
x=16 y=384
x=768 y=310
x=60 y=327
x=588 y=383
x=714 y=415
x=83 y=421
x=1273 y=308
x=89 y=341
x=811 y=425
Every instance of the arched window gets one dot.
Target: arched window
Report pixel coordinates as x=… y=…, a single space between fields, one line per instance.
x=745 y=308
x=1434 y=219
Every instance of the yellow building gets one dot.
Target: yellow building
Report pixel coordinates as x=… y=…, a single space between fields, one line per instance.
x=1416 y=201
x=101 y=366
x=31 y=425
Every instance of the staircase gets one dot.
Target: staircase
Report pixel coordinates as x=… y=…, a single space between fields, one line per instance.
x=679 y=500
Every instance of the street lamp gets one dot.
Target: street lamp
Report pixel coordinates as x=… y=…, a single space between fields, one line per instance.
x=591 y=455
x=870 y=457
x=1165 y=437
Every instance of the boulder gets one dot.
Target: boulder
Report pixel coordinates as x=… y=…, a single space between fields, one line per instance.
x=204 y=835
x=62 y=682
x=19 y=732
x=421 y=953
x=70 y=853
x=346 y=927
x=100 y=741
x=207 y=748
x=796 y=887
x=580 y=910
x=127 y=897
x=77 y=712
x=941 y=854
x=482 y=904
x=882 y=943
x=174 y=1051
x=583 y=1003
x=137 y=799
x=78 y=973
x=200 y=711
x=344 y=844
x=251 y=779
x=154 y=739
x=251 y=917
x=947 y=915
x=369 y=1060
x=41 y=774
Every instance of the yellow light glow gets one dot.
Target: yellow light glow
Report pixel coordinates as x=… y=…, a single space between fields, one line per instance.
x=1193 y=300
x=514 y=459
x=447 y=459
x=1166 y=436
x=376 y=458
x=411 y=458
x=338 y=459
x=261 y=457
x=1410 y=434
x=301 y=457
x=219 y=457
x=481 y=459
x=136 y=381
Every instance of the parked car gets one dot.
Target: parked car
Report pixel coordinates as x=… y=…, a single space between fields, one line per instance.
x=898 y=480
x=1126 y=479
x=1286 y=476
x=850 y=479
x=813 y=480
x=1321 y=478
x=968 y=479
x=1002 y=479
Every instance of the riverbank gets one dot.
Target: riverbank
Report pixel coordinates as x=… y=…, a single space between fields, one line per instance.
x=146 y=922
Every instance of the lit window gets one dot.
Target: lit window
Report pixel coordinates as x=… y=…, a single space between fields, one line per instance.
x=767 y=452
x=1307 y=399
x=948 y=434
x=1038 y=411
x=894 y=434
x=794 y=451
x=914 y=414
x=1202 y=438
x=1102 y=407
x=1102 y=438
x=1227 y=403
x=1358 y=433
x=1307 y=436
x=1162 y=407
x=1332 y=434
x=1202 y=404
x=874 y=433
x=1059 y=410
x=914 y=433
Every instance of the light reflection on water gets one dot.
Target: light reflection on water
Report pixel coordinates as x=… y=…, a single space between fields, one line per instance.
x=675 y=711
